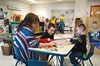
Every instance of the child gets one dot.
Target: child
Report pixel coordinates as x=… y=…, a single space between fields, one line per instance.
x=46 y=23
x=47 y=37
x=80 y=45
x=25 y=36
x=61 y=26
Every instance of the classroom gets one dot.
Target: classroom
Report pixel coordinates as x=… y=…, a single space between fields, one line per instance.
x=49 y=32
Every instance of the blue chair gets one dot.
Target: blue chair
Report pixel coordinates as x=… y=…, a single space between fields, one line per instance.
x=20 y=58
x=95 y=38
x=87 y=56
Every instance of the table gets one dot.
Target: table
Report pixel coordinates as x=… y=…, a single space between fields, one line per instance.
x=61 y=52
x=62 y=36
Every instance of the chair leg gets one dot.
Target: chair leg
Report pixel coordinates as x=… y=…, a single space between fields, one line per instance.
x=79 y=60
x=50 y=58
x=26 y=64
x=16 y=63
x=83 y=63
x=91 y=62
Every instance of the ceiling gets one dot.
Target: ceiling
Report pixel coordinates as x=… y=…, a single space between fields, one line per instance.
x=44 y=1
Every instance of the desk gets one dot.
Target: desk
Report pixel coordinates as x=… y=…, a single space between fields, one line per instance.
x=61 y=52
x=61 y=36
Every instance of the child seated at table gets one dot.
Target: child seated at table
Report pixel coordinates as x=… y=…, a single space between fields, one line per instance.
x=47 y=37
x=80 y=45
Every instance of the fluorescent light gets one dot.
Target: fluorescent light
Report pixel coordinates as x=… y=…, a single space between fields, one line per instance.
x=59 y=0
x=34 y=1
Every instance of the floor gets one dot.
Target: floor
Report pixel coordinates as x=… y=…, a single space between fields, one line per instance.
x=9 y=61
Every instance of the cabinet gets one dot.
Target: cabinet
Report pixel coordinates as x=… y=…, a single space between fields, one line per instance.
x=93 y=24
x=13 y=27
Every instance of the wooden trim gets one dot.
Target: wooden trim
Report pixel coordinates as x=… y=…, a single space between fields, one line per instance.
x=93 y=6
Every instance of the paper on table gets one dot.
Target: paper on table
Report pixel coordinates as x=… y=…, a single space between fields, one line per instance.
x=57 y=37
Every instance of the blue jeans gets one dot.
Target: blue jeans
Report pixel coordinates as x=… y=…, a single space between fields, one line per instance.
x=73 y=57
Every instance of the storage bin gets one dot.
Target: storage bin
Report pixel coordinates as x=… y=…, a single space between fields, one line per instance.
x=6 y=49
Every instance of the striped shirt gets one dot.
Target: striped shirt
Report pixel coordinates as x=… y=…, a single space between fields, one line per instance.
x=25 y=38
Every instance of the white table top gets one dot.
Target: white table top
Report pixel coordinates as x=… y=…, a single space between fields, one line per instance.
x=63 y=50
x=61 y=36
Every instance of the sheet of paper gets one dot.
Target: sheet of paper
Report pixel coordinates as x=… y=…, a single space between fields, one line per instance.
x=57 y=37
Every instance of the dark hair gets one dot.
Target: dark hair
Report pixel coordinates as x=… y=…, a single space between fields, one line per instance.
x=82 y=26
x=46 y=19
x=51 y=25
x=29 y=19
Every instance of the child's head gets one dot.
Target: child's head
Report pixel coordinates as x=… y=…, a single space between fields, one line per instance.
x=1 y=30
x=47 y=20
x=30 y=20
x=80 y=28
x=51 y=28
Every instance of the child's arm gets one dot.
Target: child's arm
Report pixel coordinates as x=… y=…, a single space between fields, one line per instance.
x=78 y=40
x=52 y=43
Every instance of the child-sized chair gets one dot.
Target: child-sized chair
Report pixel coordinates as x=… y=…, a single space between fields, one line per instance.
x=20 y=58
x=87 y=56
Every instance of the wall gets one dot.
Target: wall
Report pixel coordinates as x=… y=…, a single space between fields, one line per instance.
x=25 y=8
x=91 y=3
x=82 y=8
x=45 y=9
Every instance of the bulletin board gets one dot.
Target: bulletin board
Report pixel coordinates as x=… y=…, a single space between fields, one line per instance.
x=68 y=15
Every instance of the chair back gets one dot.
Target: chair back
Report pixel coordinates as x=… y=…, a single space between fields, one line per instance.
x=18 y=54
x=91 y=51
x=90 y=37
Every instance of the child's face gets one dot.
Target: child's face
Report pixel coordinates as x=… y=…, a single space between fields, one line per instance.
x=51 y=30
x=33 y=26
x=79 y=30
x=1 y=31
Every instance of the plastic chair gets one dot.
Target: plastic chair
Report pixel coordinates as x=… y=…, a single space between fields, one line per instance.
x=87 y=56
x=36 y=63
x=20 y=58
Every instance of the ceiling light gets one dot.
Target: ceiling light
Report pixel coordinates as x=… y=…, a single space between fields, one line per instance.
x=59 y=0
x=34 y=1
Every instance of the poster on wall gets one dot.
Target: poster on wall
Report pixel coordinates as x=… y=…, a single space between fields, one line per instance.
x=67 y=15
x=1 y=13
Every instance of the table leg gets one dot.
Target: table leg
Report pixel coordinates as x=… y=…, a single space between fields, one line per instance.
x=61 y=61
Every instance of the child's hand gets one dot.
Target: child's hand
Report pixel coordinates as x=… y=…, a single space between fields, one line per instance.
x=52 y=43
x=49 y=39
x=68 y=39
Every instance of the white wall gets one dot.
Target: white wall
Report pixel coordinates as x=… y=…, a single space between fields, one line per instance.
x=80 y=9
x=25 y=8
x=45 y=9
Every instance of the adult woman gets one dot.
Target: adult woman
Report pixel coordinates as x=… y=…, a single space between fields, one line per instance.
x=25 y=35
